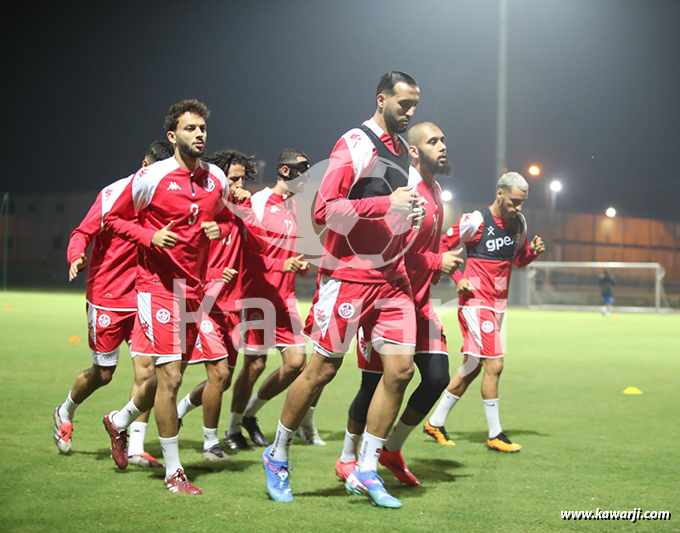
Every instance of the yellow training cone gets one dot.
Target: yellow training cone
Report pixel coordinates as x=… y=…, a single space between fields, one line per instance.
x=77 y=339
x=632 y=390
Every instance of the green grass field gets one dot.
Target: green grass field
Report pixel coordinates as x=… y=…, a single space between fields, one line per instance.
x=586 y=444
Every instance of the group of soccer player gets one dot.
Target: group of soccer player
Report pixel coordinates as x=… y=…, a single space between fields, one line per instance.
x=188 y=268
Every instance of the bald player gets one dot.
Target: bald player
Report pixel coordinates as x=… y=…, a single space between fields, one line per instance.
x=424 y=263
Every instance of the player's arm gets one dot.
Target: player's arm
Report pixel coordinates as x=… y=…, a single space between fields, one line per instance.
x=81 y=237
x=332 y=207
x=528 y=251
x=122 y=220
x=466 y=231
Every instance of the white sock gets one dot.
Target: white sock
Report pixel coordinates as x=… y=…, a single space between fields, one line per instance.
x=369 y=453
x=126 y=416
x=281 y=447
x=184 y=406
x=209 y=438
x=397 y=438
x=235 y=422
x=349 y=447
x=254 y=405
x=438 y=418
x=492 y=417
x=68 y=409
x=170 y=449
x=137 y=434
x=308 y=420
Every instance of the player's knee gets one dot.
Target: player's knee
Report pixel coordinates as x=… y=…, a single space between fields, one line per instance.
x=494 y=366
x=400 y=375
x=256 y=365
x=227 y=382
x=103 y=374
x=143 y=372
x=171 y=379
x=294 y=365
x=219 y=375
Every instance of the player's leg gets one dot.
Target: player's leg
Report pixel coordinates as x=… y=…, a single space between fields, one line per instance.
x=144 y=369
x=218 y=375
x=493 y=367
x=434 y=376
x=253 y=366
x=459 y=383
x=304 y=390
x=307 y=429
x=356 y=424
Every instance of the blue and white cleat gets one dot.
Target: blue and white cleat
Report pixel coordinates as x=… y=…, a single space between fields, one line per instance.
x=278 y=478
x=370 y=484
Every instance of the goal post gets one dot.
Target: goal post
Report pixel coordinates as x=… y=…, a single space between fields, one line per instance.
x=576 y=285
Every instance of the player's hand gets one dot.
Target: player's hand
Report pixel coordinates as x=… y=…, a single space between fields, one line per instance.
x=228 y=274
x=464 y=287
x=77 y=265
x=451 y=261
x=212 y=230
x=293 y=264
x=240 y=195
x=436 y=278
x=537 y=246
x=164 y=238
x=402 y=200
x=418 y=213
x=304 y=269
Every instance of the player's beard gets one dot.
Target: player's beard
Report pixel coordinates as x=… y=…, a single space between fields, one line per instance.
x=433 y=166
x=188 y=150
x=393 y=123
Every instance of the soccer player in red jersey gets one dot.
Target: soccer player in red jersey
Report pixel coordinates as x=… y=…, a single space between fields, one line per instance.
x=270 y=263
x=111 y=309
x=424 y=263
x=169 y=211
x=365 y=202
x=495 y=238
x=224 y=284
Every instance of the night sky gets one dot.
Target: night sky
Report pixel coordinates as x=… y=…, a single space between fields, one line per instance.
x=593 y=87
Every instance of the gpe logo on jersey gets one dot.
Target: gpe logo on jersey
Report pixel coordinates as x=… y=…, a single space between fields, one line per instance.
x=500 y=242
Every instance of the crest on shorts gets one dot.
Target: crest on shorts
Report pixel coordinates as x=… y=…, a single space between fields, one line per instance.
x=163 y=316
x=104 y=321
x=209 y=184
x=487 y=326
x=346 y=310
x=206 y=326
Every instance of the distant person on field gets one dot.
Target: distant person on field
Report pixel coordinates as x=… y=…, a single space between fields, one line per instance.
x=606 y=288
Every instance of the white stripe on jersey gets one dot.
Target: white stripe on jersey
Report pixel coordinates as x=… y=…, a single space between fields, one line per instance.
x=259 y=202
x=328 y=296
x=145 y=315
x=146 y=180
x=469 y=224
x=361 y=148
x=111 y=193
x=471 y=319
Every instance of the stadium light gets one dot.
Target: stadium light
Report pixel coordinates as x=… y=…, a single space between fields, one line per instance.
x=447 y=196
x=610 y=212
x=555 y=186
x=535 y=170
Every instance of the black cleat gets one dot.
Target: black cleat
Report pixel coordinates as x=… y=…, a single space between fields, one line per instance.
x=250 y=423
x=237 y=442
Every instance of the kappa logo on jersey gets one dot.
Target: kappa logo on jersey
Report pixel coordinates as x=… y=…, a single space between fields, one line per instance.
x=163 y=316
x=206 y=326
x=346 y=310
x=104 y=321
x=275 y=209
x=500 y=242
x=174 y=187
x=487 y=326
x=209 y=184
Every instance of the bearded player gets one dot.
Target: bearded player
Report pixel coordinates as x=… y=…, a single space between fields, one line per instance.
x=424 y=263
x=495 y=238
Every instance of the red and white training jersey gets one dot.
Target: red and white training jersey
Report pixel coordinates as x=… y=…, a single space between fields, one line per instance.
x=493 y=245
x=422 y=257
x=270 y=239
x=353 y=158
x=112 y=264
x=227 y=253
x=157 y=195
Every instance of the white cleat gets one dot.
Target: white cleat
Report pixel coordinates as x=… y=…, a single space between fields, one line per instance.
x=62 y=432
x=310 y=435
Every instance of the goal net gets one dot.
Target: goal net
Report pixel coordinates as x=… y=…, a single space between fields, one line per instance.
x=579 y=285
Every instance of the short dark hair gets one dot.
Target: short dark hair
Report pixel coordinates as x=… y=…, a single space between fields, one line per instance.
x=178 y=109
x=390 y=79
x=289 y=156
x=158 y=151
x=224 y=159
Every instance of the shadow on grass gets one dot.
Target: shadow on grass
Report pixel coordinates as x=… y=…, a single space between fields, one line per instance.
x=435 y=470
x=100 y=455
x=482 y=436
